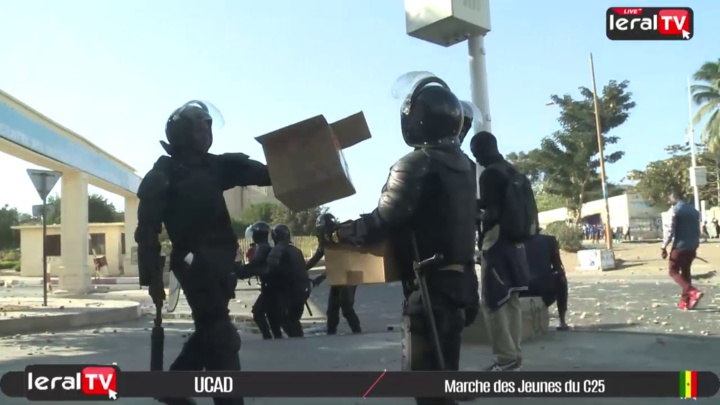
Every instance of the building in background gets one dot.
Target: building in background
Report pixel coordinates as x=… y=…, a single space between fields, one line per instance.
x=629 y=209
x=238 y=199
x=105 y=240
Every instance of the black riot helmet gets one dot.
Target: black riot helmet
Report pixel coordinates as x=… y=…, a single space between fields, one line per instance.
x=189 y=128
x=281 y=234
x=431 y=115
x=468 y=116
x=260 y=232
x=325 y=223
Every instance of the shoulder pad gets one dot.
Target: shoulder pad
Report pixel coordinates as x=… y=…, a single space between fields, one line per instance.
x=453 y=159
x=232 y=156
x=415 y=164
x=156 y=181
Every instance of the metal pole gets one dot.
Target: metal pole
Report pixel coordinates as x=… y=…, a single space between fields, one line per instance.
x=44 y=248
x=608 y=233
x=479 y=85
x=693 y=152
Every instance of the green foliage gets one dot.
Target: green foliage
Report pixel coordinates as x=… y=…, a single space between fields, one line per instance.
x=10 y=255
x=9 y=238
x=706 y=94
x=100 y=210
x=547 y=202
x=663 y=176
x=568 y=236
x=566 y=163
x=301 y=223
x=10 y=265
x=258 y=212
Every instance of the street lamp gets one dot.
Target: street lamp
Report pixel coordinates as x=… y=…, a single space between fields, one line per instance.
x=608 y=231
x=449 y=22
x=697 y=174
x=598 y=129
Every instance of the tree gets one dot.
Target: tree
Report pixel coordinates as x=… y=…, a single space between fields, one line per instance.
x=547 y=202
x=301 y=223
x=8 y=236
x=663 y=176
x=258 y=212
x=100 y=210
x=527 y=164
x=707 y=96
x=568 y=160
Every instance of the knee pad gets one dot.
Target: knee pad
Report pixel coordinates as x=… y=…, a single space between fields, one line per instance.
x=224 y=337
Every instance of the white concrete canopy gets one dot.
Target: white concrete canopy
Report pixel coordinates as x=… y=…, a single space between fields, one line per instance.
x=35 y=138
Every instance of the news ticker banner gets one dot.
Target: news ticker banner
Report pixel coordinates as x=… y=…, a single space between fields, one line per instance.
x=102 y=382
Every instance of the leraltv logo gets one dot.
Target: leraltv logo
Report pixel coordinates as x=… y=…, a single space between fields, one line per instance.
x=649 y=23
x=71 y=382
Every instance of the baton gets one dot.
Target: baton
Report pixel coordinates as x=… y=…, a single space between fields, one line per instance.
x=419 y=268
x=307 y=306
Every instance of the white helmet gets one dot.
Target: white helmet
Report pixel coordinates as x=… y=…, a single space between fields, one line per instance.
x=249 y=233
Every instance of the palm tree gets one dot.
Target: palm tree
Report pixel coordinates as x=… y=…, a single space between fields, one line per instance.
x=706 y=94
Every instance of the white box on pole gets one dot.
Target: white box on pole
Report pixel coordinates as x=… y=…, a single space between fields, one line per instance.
x=698 y=177
x=447 y=22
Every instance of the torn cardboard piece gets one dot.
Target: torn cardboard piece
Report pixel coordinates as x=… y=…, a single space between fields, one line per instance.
x=306 y=163
x=350 y=265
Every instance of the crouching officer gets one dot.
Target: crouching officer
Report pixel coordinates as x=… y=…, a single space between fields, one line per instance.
x=429 y=199
x=341 y=297
x=184 y=192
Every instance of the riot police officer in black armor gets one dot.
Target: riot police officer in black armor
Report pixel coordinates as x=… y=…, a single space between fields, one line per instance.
x=430 y=196
x=341 y=297
x=184 y=191
x=287 y=263
x=263 y=315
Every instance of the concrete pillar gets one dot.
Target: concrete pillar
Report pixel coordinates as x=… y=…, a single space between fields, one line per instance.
x=130 y=262
x=74 y=277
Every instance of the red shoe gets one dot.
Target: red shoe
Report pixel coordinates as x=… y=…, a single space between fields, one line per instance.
x=695 y=296
x=683 y=305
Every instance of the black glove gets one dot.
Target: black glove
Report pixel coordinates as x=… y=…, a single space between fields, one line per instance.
x=471 y=314
x=319 y=279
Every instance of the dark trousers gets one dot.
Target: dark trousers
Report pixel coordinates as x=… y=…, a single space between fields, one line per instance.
x=265 y=318
x=289 y=307
x=679 y=269
x=209 y=285
x=342 y=298
x=418 y=351
x=552 y=290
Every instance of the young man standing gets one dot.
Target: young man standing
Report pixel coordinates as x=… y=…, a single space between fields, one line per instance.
x=504 y=271
x=684 y=233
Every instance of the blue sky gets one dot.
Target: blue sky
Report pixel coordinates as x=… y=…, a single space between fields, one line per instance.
x=113 y=71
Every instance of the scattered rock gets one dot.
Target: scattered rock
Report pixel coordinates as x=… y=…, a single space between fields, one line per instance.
x=664 y=323
x=656 y=305
x=640 y=318
x=704 y=332
x=583 y=315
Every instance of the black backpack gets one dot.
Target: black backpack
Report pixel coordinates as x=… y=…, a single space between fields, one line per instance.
x=519 y=216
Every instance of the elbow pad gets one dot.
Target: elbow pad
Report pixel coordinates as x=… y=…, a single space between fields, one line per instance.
x=403 y=189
